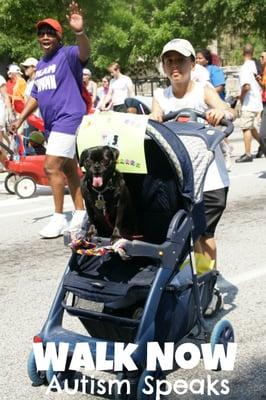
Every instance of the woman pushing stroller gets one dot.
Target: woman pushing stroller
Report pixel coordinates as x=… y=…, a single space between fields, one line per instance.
x=178 y=59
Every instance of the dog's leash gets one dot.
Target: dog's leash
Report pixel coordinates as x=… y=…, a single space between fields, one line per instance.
x=82 y=246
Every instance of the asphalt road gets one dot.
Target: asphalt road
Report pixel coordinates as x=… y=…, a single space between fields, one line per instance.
x=31 y=269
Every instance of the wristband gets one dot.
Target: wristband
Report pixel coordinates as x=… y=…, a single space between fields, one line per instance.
x=79 y=33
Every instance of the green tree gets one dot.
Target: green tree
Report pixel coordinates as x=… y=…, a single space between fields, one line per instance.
x=128 y=31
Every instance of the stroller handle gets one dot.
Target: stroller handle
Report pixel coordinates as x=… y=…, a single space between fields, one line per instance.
x=193 y=115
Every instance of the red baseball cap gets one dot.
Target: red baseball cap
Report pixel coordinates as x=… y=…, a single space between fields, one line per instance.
x=53 y=23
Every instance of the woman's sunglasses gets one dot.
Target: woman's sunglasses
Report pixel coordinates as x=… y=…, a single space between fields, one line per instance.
x=46 y=31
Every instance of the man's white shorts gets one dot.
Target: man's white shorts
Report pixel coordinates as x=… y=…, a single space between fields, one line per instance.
x=61 y=145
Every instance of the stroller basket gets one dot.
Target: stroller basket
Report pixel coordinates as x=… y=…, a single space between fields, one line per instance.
x=121 y=286
x=103 y=325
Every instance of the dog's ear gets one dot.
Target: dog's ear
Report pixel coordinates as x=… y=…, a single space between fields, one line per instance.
x=83 y=157
x=115 y=153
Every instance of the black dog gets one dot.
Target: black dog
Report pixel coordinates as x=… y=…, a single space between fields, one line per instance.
x=107 y=198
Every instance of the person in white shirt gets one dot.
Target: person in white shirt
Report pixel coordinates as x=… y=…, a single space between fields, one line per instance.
x=121 y=87
x=251 y=102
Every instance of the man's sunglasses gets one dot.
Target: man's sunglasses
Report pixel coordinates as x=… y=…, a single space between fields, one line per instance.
x=46 y=31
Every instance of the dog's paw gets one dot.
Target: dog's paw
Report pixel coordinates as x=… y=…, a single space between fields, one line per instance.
x=118 y=247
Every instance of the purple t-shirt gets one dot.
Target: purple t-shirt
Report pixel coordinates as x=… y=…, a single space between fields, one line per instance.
x=58 y=91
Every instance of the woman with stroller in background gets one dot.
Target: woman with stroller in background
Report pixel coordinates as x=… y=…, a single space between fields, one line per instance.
x=178 y=59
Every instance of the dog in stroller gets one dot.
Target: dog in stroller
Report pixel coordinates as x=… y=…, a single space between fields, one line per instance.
x=154 y=295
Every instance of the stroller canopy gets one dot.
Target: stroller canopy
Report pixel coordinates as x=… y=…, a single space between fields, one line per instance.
x=189 y=147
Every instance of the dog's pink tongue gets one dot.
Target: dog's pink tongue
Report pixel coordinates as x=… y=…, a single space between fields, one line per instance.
x=97 y=181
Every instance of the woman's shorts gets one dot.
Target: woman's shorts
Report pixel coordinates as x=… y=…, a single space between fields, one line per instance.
x=214 y=206
x=61 y=145
x=199 y=221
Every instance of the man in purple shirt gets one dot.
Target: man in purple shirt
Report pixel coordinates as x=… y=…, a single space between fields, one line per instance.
x=57 y=93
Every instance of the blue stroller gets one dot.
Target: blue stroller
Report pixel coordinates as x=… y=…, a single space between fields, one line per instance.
x=151 y=296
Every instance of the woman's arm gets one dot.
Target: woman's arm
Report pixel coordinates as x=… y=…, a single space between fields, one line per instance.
x=75 y=20
x=156 y=111
x=29 y=108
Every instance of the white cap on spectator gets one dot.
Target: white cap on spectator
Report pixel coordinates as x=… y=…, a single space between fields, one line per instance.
x=182 y=46
x=86 y=71
x=29 y=62
x=14 y=69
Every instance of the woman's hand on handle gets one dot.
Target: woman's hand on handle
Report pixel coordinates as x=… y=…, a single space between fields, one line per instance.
x=214 y=116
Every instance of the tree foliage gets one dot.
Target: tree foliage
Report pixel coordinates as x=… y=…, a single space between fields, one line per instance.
x=130 y=31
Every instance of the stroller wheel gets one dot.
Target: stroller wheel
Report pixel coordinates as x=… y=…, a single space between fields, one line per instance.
x=25 y=187
x=223 y=333
x=10 y=182
x=144 y=386
x=38 y=378
x=60 y=376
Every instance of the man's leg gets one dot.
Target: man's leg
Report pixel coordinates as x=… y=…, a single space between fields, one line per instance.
x=247 y=141
x=247 y=124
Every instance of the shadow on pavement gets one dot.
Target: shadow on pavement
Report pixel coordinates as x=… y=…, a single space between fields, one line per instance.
x=229 y=292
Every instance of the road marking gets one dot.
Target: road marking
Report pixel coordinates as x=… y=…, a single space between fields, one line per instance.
x=33 y=211
x=15 y=201
x=243 y=278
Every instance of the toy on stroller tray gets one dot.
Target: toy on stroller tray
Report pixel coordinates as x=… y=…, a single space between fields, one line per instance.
x=154 y=295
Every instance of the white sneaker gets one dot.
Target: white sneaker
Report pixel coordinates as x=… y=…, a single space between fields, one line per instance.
x=77 y=220
x=58 y=223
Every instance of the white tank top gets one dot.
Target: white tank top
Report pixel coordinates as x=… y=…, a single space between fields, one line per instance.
x=217 y=175
x=194 y=99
